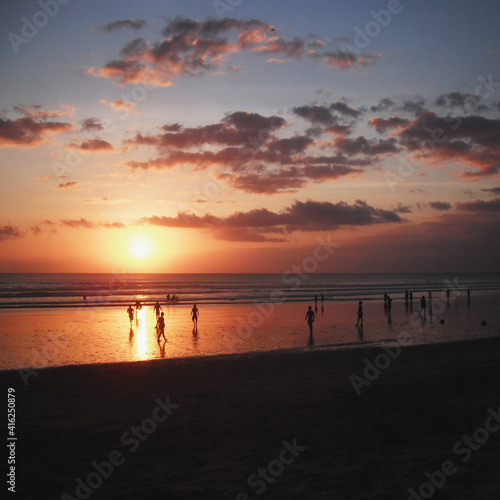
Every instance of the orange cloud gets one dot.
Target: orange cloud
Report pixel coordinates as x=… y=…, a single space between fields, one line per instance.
x=30 y=131
x=9 y=232
x=66 y=185
x=93 y=146
x=193 y=47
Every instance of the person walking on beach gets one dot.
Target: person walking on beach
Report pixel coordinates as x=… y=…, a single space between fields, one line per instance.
x=407 y=295
x=423 y=306
x=194 y=314
x=310 y=317
x=130 y=311
x=160 y=327
x=157 y=308
x=360 y=313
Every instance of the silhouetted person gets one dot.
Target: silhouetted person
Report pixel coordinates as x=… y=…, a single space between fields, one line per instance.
x=430 y=295
x=310 y=317
x=194 y=314
x=411 y=296
x=423 y=306
x=322 y=299
x=447 y=295
x=157 y=308
x=407 y=296
x=168 y=298
x=130 y=311
x=468 y=295
x=160 y=327
x=360 y=313
x=389 y=303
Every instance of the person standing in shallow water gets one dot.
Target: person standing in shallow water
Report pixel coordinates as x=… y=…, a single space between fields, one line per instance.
x=423 y=305
x=194 y=314
x=157 y=308
x=310 y=317
x=130 y=311
x=360 y=314
x=160 y=327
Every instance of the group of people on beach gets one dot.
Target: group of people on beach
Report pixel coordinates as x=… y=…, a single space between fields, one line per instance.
x=160 y=317
x=310 y=316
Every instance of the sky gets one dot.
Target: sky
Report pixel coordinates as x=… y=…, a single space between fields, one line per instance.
x=249 y=136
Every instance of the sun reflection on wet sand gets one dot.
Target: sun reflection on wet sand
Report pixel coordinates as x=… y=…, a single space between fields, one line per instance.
x=141 y=336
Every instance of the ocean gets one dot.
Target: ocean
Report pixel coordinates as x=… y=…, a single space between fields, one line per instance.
x=71 y=290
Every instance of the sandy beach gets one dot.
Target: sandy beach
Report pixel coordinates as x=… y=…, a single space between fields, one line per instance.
x=270 y=425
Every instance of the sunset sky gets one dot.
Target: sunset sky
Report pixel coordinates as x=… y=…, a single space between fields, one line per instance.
x=233 y=136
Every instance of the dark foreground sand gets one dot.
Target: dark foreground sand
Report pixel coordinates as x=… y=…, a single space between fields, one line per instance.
x=236 y=412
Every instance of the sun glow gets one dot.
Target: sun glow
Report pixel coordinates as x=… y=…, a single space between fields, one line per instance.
x=141 y=250
x=141 y=246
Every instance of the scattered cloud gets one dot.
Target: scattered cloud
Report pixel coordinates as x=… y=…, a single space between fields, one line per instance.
x=467 y=102
x=66 y=185
x=78 y=223
x=480 y=206
x=91 y=125
x=9 y=232
x=471 y=140
x=86 y=224
x=383 y=124
x=192 y=47
x=30 y=130
x=440 y=205
x=118 y=104
x=135 y=24
x=494 y=190
x=403 y=209
x=93 y=146
x=258 y=224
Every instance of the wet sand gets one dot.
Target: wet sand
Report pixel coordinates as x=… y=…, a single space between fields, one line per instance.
x=289 y=421
x=65 y=336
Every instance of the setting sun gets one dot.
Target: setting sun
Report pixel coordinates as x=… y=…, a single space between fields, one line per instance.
x=141 y=250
